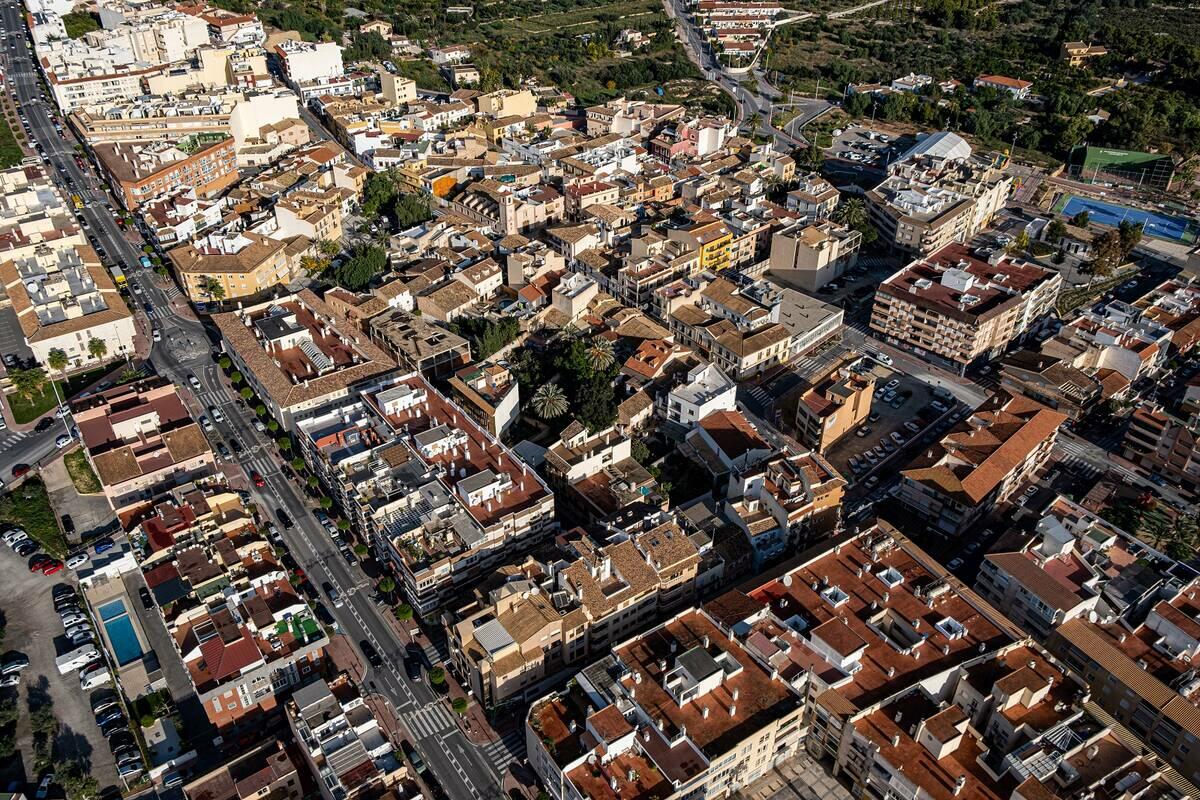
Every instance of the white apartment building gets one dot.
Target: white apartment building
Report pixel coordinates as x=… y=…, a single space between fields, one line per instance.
x=707 y=390
x=307 y=62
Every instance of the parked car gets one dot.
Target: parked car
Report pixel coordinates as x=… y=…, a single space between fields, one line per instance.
x=109 y=714
x=44 y=424
x=76 y=561
x=36 y=563
x=25 y=548
x=112 y=727
x=206 y=423
x=194 y=381
x=14 y=536
x=872 y=482
x=10 y=681
x=103 y=703
x=370 y=653
x=68 y=524
x=43 y=790
x=94 y=679
x=103 y=545
x=20 y=470
x=884 y=358
x=146 y=598
x=285 y=519
x=82 y=637
x=73 y=619
x=14 y=663
x=52 y=567
x=217 y=416
x=63 y=590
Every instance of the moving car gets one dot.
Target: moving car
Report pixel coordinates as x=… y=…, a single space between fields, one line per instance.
x=370 y=653
x=194 y=381
x=258 y=480
x=44 y=424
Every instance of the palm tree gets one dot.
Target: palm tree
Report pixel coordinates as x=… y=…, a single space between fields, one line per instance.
x=97 y=348
x=600 y=354
x=56 y=359
x=852 y=213
x=30 y=382
x=550 y=401
x=213 y=288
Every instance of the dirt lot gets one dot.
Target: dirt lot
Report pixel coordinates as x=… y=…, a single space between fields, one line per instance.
x=919 y=395
x=36 y=630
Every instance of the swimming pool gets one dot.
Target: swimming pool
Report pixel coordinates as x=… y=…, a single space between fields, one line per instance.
x=1163 y=226
x=121 y=634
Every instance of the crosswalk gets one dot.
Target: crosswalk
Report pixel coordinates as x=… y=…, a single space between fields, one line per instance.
x=509 y=748
x=1080 y=467
x=429 y=720
x=12 y=439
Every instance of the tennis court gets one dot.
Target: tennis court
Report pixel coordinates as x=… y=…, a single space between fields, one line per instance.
x=1162 y=226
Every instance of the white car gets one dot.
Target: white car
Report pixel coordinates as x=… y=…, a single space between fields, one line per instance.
x=93 y=679
x=194 y=381
x=73 y=619
x=137 y=289
x=885 y=359
x=14 y=535
x=157 y=335
x=77 y=560
x=63 y=440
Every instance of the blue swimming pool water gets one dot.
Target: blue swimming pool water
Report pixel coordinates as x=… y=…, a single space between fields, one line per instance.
x=114 y=609
x=1163 y=226
x=124 y=640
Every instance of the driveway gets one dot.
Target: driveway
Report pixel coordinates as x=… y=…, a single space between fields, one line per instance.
x=11 y=338
x=90 y=513
x=35 y=630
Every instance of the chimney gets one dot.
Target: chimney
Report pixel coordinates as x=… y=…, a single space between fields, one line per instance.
x=959 y=784
x=895 y=740
x=733 y=711
x=704 y=712
x=736 y=693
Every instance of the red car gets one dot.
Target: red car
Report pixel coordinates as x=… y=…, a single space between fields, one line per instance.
x=20 y=470
x=258 y=480
x=52 y=566
x=38 y=562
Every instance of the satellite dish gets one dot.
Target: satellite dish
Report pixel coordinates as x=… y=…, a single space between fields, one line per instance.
x=787 y=580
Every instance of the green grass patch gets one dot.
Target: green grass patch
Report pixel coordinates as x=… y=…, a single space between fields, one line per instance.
x=10 y=150
x=78 y=23
x=81 y=472
x=424 y=72
x=28 y=507
x=1072 y=299
x=27 y=409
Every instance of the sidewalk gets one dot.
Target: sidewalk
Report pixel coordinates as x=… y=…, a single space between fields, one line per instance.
x=474 y=724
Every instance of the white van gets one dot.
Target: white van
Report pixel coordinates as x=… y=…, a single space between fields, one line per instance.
x=69 y=662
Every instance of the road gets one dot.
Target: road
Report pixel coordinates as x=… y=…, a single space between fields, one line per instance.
x=464 y=770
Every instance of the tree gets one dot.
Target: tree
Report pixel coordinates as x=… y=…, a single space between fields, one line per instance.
x=362 y=267
x=77 y=783
x=387 y=585
x=129 y=375
x=813 y=157
x=1019 y=244
x=260 y=410
x=224 y=362
x=285 y=443
x=550 y=401
x=56 y=359
x=852 y=213
x=328 y=248
x=326 y=503
x=1055 y=231
x=28 y=382
x=600 y=353
x=246 y=393
x=297 y=463
x=236 y=377
x=404 y=612
x=1081 y=219
x=97 y=348
x=1130 y=235
x=437 y=676
x=343 y=524
x=460 y=705
x=313 y=481
x=360 y=550
x=1107 y=255
x=598 y=404
x=213 y=288
x=8 y=743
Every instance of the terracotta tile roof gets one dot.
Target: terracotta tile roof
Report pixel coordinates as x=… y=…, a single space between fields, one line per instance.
x=733 y=433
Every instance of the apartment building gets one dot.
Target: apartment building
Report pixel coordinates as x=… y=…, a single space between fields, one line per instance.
x=827 y=407
x=1074 y=565
x=1142 y=671
x=783 y=502
x=181 y=216
x=262 y=772
x=1165 y=445
x=489 y=393
x=230 y=267
x=683 y=710
x=958 y=308
x=979 y=463
x=705 y=391
x=315 y=214
x=64 y=300
x=297 y=355
x=1113 y=337
x=811 y=255
x=418 y=345
x=596 y=478
x=34 y=216
x=814 y=198
x=305 y=63
x=345 y=746
x=141 y=441
x=936 y=195
x=509 y=210
x=737 y=328
x=558 y=612
x=246 y=638
x=139 y=172
x=712 y=240
x=1052 y=382
x=1015 y=87
x=436 y=496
